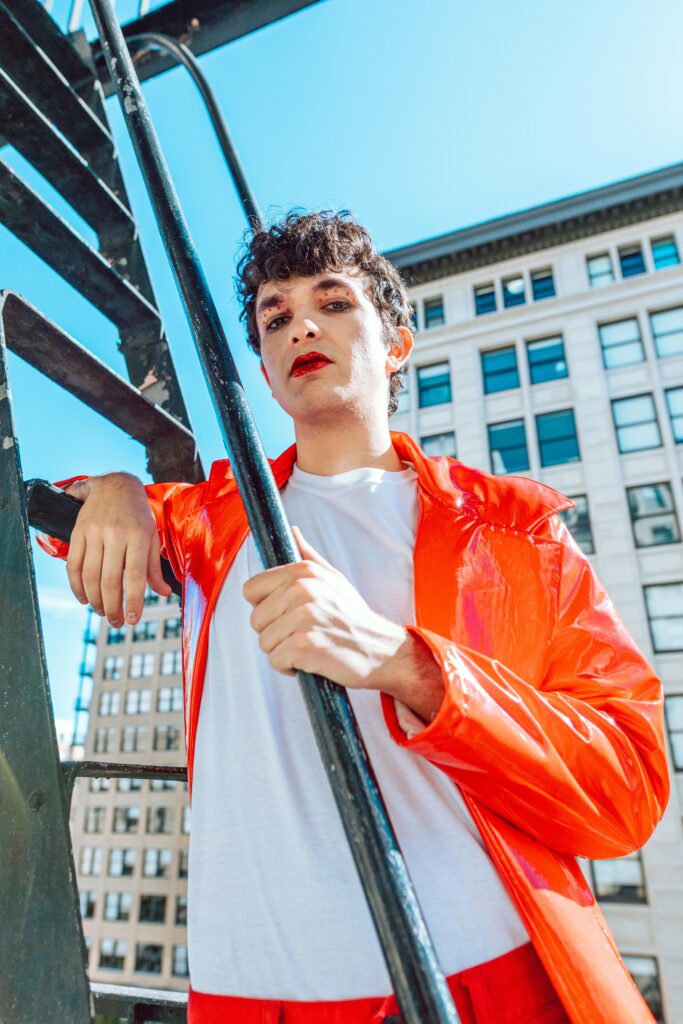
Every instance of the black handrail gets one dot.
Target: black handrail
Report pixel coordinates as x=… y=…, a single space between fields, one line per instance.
x=418 y=981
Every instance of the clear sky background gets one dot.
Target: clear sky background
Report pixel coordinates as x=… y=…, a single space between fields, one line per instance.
x=419 y=117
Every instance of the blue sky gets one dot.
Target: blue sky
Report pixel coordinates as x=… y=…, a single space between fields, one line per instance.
x=421 y=118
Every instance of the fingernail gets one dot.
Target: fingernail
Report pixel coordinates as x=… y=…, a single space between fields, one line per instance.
x=131 y=617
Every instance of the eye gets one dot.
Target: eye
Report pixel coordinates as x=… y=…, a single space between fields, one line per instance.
x=273 y=324
x=339 y=302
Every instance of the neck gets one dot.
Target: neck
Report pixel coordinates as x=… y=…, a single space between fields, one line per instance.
x=329 y=450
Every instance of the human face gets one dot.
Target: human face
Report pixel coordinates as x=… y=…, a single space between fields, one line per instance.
x=330 y=315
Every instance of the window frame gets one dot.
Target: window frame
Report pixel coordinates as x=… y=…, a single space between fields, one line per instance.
x=615 y=402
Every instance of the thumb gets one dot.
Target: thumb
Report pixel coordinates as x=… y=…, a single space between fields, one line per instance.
x=154 y=575
x=309 y=552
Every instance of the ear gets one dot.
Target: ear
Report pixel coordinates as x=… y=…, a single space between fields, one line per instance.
x=400 y=350
x=263 y=371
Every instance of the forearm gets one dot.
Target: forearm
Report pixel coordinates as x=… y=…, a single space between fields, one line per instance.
x=413 y=677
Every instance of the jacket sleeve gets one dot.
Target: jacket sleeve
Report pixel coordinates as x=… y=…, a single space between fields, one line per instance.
x=165 y=502
x=577 y=761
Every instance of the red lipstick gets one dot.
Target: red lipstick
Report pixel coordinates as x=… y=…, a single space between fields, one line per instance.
x=308 y=363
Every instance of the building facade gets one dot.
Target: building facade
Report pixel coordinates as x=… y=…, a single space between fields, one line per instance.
x=130 y=836
x=549 y=344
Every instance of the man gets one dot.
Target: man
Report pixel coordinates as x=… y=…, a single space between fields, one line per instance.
x=512 y=723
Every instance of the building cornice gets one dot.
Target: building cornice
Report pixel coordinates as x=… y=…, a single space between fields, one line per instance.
x=565 y=220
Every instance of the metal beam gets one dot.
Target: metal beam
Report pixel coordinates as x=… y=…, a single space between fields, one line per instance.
x=171 y=447
x=202 y=25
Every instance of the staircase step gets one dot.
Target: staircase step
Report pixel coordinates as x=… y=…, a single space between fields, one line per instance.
x=32 y=220
x=57 y=47
x=63 y=360
x=30 y=132
x=43 y=83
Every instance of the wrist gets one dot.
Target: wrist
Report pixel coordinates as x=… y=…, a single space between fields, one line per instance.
x=414 y=678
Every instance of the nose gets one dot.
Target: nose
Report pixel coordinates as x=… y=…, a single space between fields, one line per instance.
x=302 y=328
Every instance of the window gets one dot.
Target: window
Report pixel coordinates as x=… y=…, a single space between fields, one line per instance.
x=170 y=698
x=484 y=299
x=404 y=395
x=117 y=906
x=513 y=291
x=148 y=958
x=631 y=260
x=507 y=444
x=166 y=737
x=600 y=270
x=664 y=252
x=433 y=384
x=181 y=910
x=643 y=970
x=635 y=420
x=99 y=785
x=499 y=368
x=145 y=629
x=413 y=318
x=171 y=627
x=664 y=603
x=91 y=860
x=159 y=820
x=185 y=825
x=439 y=444
x=141 y=665
x=171 y=663
x=116 y=634
x=105 y=740
x=121 y=862
x=126 y=819
x=138 y=702
x=180 y=965
x=653 y=515
x=674 y=722
x=173 y=599
x=112 y=668
x=156 y=863
x=113 y=953
x=150 y=598
x=577 y=521
x=128 y=785
x=133 y=739
x=667 y=331
x=619 y=880
x=557 y=438
x=87 y=902
x=183 y=858
x=542 y=284
x=94 y=819
x=433 y=312
x=621 y=343
x=161 y=785
x=546 y=359
x=109 y=702
x=152 y=910
x=674 y=401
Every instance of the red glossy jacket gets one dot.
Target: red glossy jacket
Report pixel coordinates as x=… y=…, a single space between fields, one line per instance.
x=551 y=724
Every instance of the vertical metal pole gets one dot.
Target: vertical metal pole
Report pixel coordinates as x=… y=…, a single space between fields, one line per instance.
x=42 y=952
x=419 y=984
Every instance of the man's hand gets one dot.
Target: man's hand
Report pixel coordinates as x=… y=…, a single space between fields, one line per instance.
x=309 y=617
x=114 y=547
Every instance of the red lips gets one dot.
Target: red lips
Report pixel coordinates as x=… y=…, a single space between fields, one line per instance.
x=308 y=363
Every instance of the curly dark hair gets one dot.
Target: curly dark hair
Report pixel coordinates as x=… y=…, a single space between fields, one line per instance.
x=311 y=243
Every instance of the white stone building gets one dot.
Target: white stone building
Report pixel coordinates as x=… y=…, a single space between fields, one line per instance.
x=550 y=344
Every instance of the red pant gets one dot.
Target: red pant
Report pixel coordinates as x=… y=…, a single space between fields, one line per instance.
x=512 y=989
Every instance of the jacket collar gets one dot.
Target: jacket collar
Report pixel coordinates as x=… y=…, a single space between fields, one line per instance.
x=515 y=502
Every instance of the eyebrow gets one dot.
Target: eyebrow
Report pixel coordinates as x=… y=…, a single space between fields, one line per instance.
x=269 y=301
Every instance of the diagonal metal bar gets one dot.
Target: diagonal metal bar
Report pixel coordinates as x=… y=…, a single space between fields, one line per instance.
x=418 y=981
x=42 y=950
x=171 y=446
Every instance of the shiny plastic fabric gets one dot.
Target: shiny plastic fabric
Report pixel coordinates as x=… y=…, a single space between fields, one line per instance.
x=552 y=720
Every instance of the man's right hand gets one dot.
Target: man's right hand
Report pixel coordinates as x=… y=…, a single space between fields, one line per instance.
x=114 y=547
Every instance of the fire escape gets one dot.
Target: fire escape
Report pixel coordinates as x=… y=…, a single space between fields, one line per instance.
x=52 y=112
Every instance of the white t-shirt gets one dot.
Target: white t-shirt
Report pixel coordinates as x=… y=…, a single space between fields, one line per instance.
x=276 y=909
